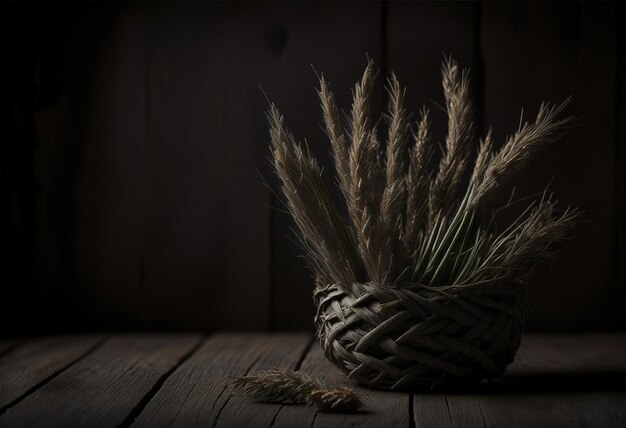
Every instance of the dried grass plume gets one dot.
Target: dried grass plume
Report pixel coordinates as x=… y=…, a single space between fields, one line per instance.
x=289 y=386
x=405 y=220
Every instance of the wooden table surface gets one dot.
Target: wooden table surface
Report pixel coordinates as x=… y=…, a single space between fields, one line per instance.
x=178 y=379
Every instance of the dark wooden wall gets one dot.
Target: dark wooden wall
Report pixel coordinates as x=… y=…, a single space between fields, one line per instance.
x=133 y=136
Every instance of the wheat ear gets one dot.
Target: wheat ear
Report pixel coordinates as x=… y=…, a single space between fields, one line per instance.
x=365 y=177
x=446 y=186
x=324 y=233
x=418 y=181
x=289 y=386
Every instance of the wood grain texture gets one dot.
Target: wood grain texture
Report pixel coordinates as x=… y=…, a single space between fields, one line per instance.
x=550 y=51
x=620 y=139
x=555 y=381
x=73 y=135
x=132 y=132
x=151 y=212
x=335 y=38
x=206 y=224
x=382 y=408
x=197 y=393
x=179 y=380
x=8 y=345
x=32 y=364
x=109 y=152
x=559 y=354
x=103 y=388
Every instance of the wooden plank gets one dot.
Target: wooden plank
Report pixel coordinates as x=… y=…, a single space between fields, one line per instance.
x=109 y=141
x=83 y=265
x=563 y=354
x=382 y=408
x=525 y=407
x=196 y=394
x=37 y=361
x=17 y=184
x=149 y=201
x=239 y=411
x=555 y=381
x=207 y=219
x=9 y=344
x=539 y=51
x=103 y=388
x=620 y=149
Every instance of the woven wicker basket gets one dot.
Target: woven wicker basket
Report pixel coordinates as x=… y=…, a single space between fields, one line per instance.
x=408 y=336
x=415 y=286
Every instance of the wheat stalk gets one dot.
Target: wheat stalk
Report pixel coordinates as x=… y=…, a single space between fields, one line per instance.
x=334 y=128
x=518 y=150
x=289 y=386
x=364 y=194
x=402 y=223
x=394 y=195
x=445 y=187
x=418 y=182
x=323 y=233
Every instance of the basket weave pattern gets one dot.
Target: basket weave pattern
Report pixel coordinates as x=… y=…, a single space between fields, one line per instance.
x=396 y=337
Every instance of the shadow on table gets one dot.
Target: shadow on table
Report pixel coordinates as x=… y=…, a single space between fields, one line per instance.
x=613 y=380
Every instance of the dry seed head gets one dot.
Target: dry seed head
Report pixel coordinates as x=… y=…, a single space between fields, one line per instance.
x=289 y=386
x=335 y=400
x=399 y=219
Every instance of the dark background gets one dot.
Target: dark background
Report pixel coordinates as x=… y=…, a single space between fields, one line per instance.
x=132 y=133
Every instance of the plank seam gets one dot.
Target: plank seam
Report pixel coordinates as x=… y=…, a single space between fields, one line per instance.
x=305 y=352
x=44 y=381
x=297 y=367
x=224 y=388
x=412 y=423
x=273 y=421
x=180 y=408
x=620 y=99
x=219 y=412
x=482 y=413
x=317 y=412
x=145 y=400
x=445 y=396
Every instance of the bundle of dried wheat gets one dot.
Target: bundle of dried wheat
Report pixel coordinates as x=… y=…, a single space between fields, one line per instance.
x=289 y=386
x=413 y=288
